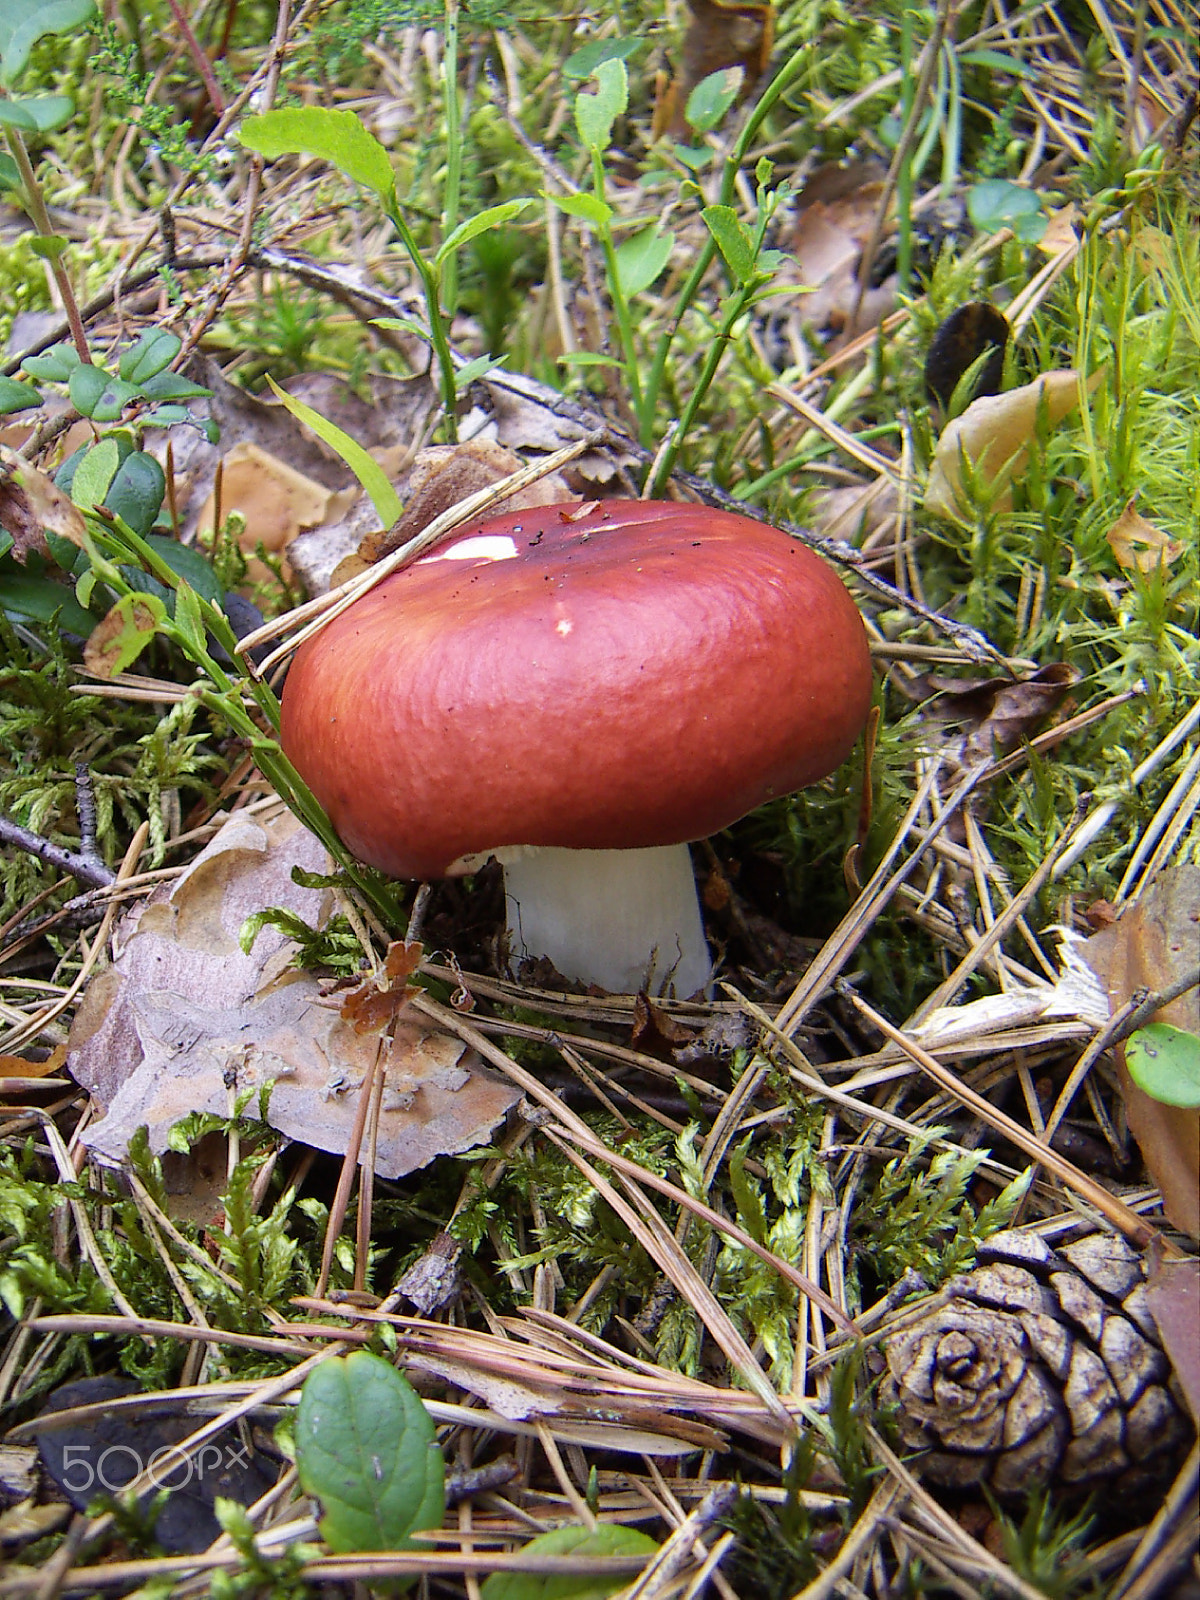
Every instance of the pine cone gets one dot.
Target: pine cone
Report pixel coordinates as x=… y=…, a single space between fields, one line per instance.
x=1039 y=1366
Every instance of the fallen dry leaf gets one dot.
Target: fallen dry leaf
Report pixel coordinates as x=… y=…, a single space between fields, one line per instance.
x=1174 y=1294
x=31 y=503
x=998 y=713
x=994 y=433
x=122 y=634
x=184 y=1017
x=1138 y=545
x=446 y=474
x=1152 y=944
x=277 y=501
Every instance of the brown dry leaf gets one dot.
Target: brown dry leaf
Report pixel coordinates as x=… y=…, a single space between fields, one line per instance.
x=1174 y=1294
x=999 y=712
x=19 y=1067
x=31 y=503
x=1152 y=944
x=1138 y=545
x=184 y=1018
x=1060 y=235
x=394 y=415
x=655 y=1031
x=721 y=34
x=121 y=635
x=446 y=474
x=994 y=433
x=375 y=1002
x=277 y=501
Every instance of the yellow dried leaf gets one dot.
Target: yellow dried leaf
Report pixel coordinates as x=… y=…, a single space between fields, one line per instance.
x=1138 y=545
x=994 y=433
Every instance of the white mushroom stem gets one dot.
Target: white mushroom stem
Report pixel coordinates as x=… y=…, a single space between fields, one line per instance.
x=622 y=919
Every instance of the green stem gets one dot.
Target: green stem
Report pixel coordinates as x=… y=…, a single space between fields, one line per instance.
x=667 y=459
x=35 y=204
x=450 y=203
x=620 y=304
x=433 y=310
x=782 y=80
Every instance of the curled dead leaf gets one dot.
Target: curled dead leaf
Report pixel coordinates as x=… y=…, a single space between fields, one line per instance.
x=30 y=504
x=1152 y=944
x=120 y=637
x=184 y=1016
x=444 y=475
x=994 y=434
x=1138 y=545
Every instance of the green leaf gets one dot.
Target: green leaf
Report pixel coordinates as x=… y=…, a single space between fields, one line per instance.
x=996 y=203
x=587 y=358
x=55 y=364
x=466 y=375
x=10 y=177
x=365 y=1447
x=733 y=240
x=997 y=60
x=118 y=640
x=588 y=207
x=95 y=471
x=596 y=113
x=44 y=112
x=641 y=259
x=711 y=99
x=609 y=1539
x=1164 y=1062
x=582 y=63
x=171 y=386
x=403 y=325
x=188 y=620
x=24 y=22
x=41 y=600
x=137 y=491
x=493 y=217
x=16 y=396
x=334 y=136
x=97 y=394
x=155 y=350
x=14 y=115
x=189 y=565
x=365 y=468
x=750 y=1207
x=48 y=246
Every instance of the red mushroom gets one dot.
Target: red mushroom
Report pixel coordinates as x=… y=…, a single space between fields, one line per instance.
x=580 y=692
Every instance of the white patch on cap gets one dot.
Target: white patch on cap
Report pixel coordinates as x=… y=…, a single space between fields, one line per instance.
x=563 y=628
x=480 y=547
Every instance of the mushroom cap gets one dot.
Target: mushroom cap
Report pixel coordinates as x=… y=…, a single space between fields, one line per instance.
x=619 y=675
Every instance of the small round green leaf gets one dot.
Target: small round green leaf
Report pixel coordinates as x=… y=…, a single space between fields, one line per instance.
x=17 y=396
x=1164 y=1062
x=136 y=493
x=156 y=349
x=186 y=562
x=55 y=364
x=996 y=203
x=583 y=62
x=609 y=1539
x=365 y=1447
x=711 y=99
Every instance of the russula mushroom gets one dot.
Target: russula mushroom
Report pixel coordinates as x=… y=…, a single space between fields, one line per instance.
x=580 y=691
